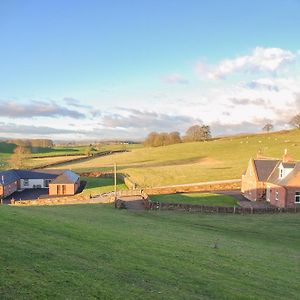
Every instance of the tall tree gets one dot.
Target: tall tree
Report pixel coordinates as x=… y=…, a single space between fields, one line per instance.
x=197 y=133
x=268 y=127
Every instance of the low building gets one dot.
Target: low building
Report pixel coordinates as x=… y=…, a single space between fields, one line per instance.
x=58 y=182
x=272 y=180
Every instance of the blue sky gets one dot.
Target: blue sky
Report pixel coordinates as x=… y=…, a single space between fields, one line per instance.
x=107 y=65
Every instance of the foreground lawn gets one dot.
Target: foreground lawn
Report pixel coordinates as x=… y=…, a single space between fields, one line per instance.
x=224 y=158
x=96 y=186
x=97 y=252
x=208 y=199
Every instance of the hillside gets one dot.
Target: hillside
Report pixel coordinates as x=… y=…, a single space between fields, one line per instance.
x=41 y=156
x=223 y=158
x=97 y=252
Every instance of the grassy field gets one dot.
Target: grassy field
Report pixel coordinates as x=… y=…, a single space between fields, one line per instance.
x=41 y=161
x=208 y=199
x=224 y=158
x=97 y=252
x=96 y=186
x=41 y=156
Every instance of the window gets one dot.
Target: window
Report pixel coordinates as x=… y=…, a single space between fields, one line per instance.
x=46 y=182
x=281 y=173
x=26 y=182
x=297 y=197
x=277 y=195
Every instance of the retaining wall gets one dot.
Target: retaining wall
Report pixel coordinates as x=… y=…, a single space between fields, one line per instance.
x=197 y=187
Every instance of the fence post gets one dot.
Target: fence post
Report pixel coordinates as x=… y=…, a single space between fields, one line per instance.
x=234 y=209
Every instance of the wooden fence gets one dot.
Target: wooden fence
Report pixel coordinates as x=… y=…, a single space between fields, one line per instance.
x=220 y=209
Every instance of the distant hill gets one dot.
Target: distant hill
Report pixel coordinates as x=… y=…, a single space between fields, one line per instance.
x=222 y=158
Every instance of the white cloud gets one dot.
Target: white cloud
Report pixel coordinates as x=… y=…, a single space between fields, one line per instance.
x=260 y=60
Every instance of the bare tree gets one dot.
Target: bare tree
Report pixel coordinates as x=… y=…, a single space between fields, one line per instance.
x=268 y=127
x=155 y=139
x=295 y=121
x=198 y=133
x=19 y=157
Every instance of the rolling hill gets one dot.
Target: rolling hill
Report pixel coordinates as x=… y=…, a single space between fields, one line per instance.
x=223 y=158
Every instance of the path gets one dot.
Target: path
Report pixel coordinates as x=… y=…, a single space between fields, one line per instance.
x=244 y=202
x=133 y=202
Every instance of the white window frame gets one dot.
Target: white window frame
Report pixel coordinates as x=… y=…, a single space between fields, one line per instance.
x=25 y=182
x=297 y=197
x=276 y=195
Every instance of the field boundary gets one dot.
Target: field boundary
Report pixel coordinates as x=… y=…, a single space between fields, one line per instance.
x=210 y=186
x=219 y=209
x=79 y=159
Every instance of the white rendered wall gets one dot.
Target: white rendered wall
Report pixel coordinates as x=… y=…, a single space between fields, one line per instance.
x=32 y=183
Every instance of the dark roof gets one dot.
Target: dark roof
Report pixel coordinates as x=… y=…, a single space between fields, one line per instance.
x=37 y=174
x=264 y=168
x=288 y=165
x=66 y=177
x=8 y=177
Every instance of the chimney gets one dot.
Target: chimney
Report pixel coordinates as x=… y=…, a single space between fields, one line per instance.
x=286 y=157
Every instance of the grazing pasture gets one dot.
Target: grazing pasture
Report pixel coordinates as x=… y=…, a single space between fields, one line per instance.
x=97 y=252
x=224 y=158
x=58 y=154
x=98 y=185
x=208 y=199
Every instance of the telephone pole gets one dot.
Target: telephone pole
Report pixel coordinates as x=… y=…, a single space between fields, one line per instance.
x=115 y=180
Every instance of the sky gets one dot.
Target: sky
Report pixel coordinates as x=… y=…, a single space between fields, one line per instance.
x=121 y=69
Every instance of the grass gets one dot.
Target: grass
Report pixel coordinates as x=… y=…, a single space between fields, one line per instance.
x=208 y=199
x=41 y=156
x=224 y=158
x=96 y=186
x=97 y=252
x=41 y=161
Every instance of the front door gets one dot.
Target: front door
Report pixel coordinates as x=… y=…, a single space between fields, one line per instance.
x=58 y=189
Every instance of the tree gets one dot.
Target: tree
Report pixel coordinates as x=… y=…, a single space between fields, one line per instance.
x=18 y=158
x=155 y=139
x=90 y=150
x=197 y=133
x=295 y=121
x=174 y=138
x=268 y=127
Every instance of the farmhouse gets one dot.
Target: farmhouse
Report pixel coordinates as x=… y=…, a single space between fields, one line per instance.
x=276 y=181
x=58 y=182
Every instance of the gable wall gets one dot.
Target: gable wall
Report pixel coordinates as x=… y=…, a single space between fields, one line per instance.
x=251 y=187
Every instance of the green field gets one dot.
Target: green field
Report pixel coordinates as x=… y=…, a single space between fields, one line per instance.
x=96 y=186
x=42 y=156
x=224 y=158
x=97 y=252
x=208 y=199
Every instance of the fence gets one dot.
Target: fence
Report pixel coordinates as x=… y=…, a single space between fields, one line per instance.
x=220 y=209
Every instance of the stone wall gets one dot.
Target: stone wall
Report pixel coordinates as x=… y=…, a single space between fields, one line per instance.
x=199 y=187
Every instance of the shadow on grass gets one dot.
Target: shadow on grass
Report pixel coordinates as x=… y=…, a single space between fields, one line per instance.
x=207 y=199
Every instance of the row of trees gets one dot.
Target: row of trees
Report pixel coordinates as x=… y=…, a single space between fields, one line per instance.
x=195 y=133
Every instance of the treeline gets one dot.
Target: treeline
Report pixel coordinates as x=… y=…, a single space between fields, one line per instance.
x=195 y=133
x=32 y=143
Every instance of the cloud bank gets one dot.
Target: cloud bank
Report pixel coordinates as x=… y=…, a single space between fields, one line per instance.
x=12 y=109
x=260 y=60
